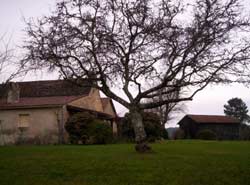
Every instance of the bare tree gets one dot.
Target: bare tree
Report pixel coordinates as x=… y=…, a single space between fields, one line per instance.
x=131 y=43
x=5 y=57
x=9 y=68
x=167 y=111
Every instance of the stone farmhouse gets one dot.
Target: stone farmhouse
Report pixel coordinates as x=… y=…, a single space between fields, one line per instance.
x=225 y=127
x=40 y=109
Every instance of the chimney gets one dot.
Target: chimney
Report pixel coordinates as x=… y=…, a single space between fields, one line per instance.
x=13 y=93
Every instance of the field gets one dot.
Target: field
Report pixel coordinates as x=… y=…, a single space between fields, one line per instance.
x=171 y=162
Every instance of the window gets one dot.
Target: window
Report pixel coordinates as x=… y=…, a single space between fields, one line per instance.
x=24 y=120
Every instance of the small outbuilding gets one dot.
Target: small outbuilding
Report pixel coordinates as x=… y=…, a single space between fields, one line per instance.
x=225 y=127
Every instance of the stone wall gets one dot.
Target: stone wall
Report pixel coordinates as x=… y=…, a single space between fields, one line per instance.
x=92 y=101
x=43 y=126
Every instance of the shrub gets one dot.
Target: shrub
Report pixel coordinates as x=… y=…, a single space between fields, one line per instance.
x=126 y=128
x=179 y=134
x=244 y=132
x=206 y=134
x=152 y=125
x=100 y=132
x=77 y=126
x=165 y=134
x=84 y=128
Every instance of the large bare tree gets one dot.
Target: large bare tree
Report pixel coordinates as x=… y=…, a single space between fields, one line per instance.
x=129 y=44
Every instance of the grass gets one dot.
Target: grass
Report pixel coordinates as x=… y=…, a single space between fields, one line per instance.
x=172 y=163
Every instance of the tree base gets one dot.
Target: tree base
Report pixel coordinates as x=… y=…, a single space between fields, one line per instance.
x=143 y=147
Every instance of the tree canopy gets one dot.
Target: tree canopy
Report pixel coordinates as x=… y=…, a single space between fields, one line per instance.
x=237 y=108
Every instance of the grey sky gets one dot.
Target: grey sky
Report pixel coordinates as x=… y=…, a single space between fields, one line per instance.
x=209 y=101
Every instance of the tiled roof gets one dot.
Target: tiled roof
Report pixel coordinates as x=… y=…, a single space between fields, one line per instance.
x=212 y=118
x=49 y=88
x=44 y=93
x=37 y=102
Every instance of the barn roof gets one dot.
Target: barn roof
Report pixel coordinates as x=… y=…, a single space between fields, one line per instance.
x=212 y=119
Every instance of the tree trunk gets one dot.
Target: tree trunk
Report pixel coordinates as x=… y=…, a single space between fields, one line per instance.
x=140 y=134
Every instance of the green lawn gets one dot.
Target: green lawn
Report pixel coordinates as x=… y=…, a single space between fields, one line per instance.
x=172 y=162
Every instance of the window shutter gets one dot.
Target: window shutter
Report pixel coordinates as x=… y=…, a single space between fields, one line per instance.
x=24 y=120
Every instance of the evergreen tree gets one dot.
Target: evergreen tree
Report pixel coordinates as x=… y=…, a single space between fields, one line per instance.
x=236 y=108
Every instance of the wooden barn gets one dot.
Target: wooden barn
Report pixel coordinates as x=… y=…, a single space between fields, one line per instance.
x=225 y=127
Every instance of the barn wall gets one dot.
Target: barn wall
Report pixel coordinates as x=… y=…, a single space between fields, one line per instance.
x=189 y=127
x=222 y=131
x=226 y=131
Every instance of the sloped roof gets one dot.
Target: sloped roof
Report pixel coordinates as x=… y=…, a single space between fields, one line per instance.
x=49 y=88
x=37 y=102
x=212 y=119
x=44 y=93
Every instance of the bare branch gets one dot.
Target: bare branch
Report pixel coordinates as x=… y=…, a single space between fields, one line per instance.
x=143 y=47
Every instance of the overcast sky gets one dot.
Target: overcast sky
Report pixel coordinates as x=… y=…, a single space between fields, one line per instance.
x=209 y=101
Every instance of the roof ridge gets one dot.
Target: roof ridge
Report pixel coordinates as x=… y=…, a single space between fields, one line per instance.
x=48 y=88
x=212 y=118
x=207 y=115
x=52 y=80
x=32 y=81
x=26 y=102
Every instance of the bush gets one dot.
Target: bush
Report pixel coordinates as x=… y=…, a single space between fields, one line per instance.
x=165 y=134
x=206 y=135
x=100 y=132
x=77 y=126
x=179 y=134
x=84 y=128
x=152 y=125
x=244 y=132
